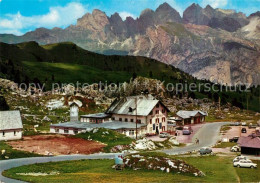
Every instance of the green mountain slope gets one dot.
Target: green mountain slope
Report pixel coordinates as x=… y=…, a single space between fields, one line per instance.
x=68 y=63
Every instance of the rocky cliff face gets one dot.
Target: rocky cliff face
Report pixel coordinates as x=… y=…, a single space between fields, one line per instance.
x=215 y=44
x=227 y=20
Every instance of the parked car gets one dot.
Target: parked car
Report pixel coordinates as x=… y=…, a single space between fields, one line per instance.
x=235 y=149
x=237 y=123
x=243 y=123
x=243 y=130
x=238 y=158
x=179 y=128
x=205 y=150
x=187 y=130
x=245 y=164
x=150 y=134
x=164 y=135
x=252 y=125
x=234 y=139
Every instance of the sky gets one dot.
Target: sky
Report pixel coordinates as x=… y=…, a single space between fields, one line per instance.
x=20 y=16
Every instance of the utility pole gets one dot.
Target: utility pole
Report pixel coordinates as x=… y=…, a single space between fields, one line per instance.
x=219 y=99
x=136 y=117
x=247 y=103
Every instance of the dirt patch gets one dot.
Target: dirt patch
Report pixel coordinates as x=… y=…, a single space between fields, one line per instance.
x=56 y=145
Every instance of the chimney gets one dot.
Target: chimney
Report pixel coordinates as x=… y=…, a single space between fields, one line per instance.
x=74 y=112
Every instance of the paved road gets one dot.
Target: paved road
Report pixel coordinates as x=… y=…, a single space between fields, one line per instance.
x=7 y=164
x=208 y=136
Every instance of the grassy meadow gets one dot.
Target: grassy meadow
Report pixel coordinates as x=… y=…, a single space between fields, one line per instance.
x=217 y=169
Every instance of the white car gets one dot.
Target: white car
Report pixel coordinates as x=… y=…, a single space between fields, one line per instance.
x=245 y=164
x=238 y=158
x=243 y=123
x=235 y=149
x=164 y=135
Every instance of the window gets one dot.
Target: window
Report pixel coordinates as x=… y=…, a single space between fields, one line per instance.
x=14 y=133
x=150 y=121
x=160 y=125
x=131 y=132
x=157 y=112
x=163 y=128
x=120 y=119
x=57 y=130
x=139 y=121
x=153 y=126
x=157 y=120
x=132 y=120
x=163 y=119
x=163 y=110
x=66 y=130
x=126 y=120
x=76 y=131
x=3 y=134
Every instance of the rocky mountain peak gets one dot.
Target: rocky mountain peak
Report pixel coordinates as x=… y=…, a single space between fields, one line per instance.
x=115 y=18
x=195 y=6
x=209 y=9
x=97 y=13
x=146 y=12
x=165 y=13
x=193 y=14
x=164 y=7
x=94 y=22
x=256 y=14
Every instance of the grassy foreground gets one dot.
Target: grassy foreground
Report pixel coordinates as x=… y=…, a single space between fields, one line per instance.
x=217 y=169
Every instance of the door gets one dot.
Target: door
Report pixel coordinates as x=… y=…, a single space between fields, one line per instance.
x=157 y=129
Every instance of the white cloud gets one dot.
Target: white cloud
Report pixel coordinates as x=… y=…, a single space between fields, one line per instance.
x=56 y=17
x=125 y=14
x=215 y=3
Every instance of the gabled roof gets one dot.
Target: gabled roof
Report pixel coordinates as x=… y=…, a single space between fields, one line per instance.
x=10 y=120
x=188 y=114
x=250 y=141
x=96 y=115
x=113 y=125
x=127 y=106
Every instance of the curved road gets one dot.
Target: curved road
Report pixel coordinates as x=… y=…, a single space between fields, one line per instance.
x=208 y=136
x=7 y=164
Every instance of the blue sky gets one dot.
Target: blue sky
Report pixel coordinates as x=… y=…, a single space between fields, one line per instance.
x=20 y=16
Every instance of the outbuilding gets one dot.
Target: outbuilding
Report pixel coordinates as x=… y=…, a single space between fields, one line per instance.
x=10 y=125
x=250 y=144
x=190 y=117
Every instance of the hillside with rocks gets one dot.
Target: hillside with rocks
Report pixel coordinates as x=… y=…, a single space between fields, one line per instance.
x=215 y=44
x=51 y=66
x=40 y=109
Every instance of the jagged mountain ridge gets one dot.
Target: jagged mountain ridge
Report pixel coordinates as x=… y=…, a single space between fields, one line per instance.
x=208 y=43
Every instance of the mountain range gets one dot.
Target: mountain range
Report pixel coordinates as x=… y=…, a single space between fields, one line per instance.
x=219 y=45
x=63 y=63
